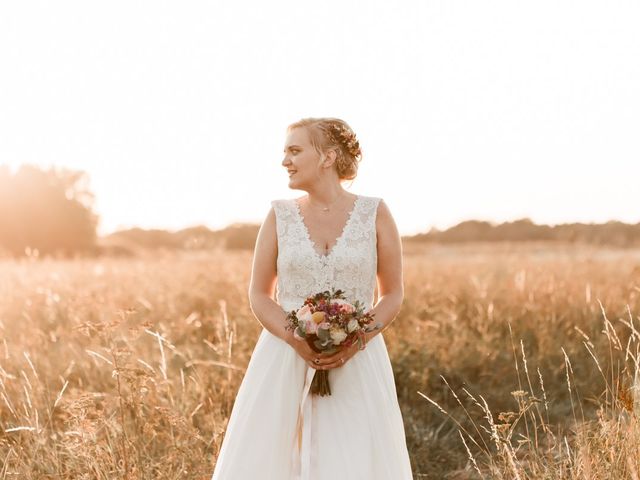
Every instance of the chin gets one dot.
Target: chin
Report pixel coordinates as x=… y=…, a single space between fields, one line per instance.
x=293 y=185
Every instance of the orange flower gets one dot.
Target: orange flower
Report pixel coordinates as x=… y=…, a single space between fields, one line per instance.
x=318 y=317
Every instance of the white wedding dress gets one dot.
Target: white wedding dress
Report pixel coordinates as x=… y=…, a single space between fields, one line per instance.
x=278 y=430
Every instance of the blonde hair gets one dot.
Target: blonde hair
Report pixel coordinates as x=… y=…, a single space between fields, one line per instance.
x=334 y=134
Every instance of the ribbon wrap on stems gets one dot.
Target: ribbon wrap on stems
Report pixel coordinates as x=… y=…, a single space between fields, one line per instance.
x=302 y=454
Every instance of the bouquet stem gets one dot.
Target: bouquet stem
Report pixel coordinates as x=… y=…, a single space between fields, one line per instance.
x=320 y=383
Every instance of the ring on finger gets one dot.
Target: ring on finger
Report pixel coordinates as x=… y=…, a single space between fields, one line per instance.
x=317 y=360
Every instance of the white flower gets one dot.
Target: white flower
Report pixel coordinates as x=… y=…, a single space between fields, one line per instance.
x=352 y=325
x=337 y=335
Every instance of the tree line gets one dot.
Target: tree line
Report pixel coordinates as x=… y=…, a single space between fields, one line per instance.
x=613 y=233
x=50 y=212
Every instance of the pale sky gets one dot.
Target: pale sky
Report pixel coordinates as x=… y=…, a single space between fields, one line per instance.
x=490 y=110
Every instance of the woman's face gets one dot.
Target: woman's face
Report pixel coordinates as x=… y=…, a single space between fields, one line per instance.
x=301 y=160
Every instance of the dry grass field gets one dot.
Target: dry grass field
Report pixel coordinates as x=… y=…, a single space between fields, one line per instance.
x=511 y=361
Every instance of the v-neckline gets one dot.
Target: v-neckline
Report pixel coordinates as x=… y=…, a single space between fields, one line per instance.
x=312 y=243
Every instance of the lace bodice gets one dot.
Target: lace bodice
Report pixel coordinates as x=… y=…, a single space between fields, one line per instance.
x=351 y=264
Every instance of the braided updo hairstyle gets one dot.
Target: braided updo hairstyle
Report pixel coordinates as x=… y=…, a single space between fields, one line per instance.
x=334 y=134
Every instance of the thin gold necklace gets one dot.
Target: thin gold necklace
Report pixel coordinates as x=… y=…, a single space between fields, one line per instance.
x=326 y=209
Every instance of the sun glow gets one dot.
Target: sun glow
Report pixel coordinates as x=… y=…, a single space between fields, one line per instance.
x=178 y=114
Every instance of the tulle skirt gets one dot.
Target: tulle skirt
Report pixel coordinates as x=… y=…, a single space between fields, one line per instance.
x=279 y=431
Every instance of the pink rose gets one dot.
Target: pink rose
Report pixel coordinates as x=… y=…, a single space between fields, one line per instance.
x=344 y=305
x=304 y=313
x=310 y=326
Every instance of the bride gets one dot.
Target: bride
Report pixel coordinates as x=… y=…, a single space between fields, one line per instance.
x=329 y=238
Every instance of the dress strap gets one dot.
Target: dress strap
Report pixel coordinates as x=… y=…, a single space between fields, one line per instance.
x=373 y=208
x=285 y=217
x=278 y=210
x=364 y=222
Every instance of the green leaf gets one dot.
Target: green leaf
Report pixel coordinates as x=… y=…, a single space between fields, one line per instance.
x=323 y=334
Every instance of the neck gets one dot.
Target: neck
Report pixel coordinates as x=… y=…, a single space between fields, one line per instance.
x=325 y=195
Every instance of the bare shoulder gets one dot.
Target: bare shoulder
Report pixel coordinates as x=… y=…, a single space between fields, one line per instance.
x=268 y=226
x=263 y=269
x=385 y=222
x=389 y=250
x=266 y=242
x=271 y=215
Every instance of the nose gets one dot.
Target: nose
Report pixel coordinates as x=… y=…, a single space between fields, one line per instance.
x=286 y=161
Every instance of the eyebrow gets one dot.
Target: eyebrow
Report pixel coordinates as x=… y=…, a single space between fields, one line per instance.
x=291 y=146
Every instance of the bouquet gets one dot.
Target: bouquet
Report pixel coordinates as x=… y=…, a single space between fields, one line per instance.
x=328 y=323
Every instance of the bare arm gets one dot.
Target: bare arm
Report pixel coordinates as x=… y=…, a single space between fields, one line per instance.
x=263 y=281
x=390 y=281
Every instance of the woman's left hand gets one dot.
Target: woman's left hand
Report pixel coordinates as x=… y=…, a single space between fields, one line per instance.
x=337 y=359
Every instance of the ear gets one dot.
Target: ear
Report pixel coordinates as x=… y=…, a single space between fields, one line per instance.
x=329 y=158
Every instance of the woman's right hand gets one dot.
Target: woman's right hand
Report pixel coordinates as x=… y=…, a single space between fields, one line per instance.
x=303 y=349
x=311 y=357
